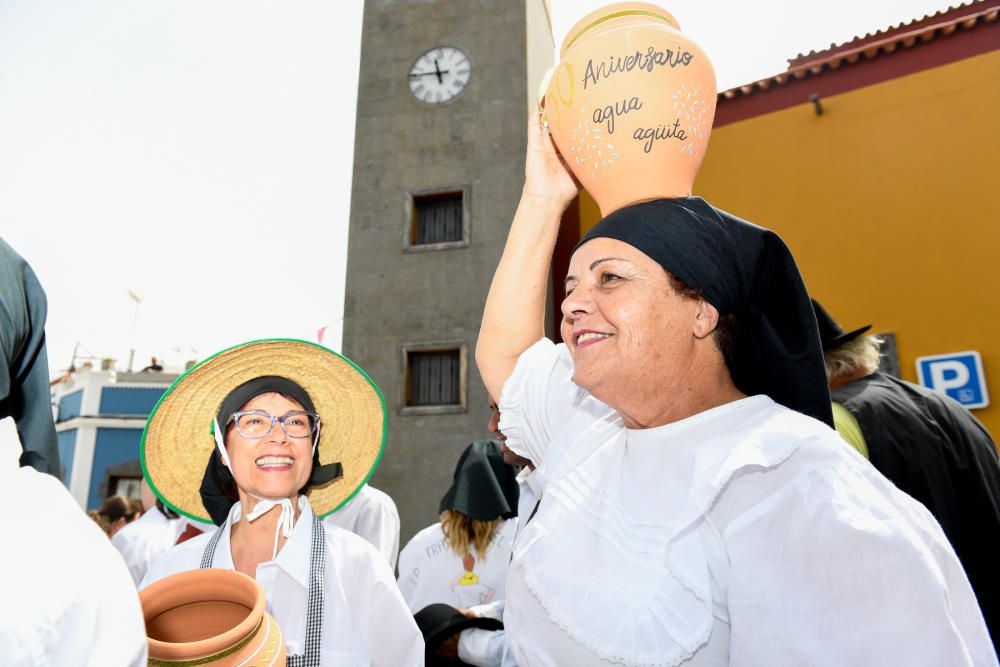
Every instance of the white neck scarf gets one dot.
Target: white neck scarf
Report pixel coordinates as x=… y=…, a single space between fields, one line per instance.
x=286 y=521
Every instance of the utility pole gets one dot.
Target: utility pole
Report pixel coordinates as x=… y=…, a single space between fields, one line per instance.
x=72 y=362
x=135 y=318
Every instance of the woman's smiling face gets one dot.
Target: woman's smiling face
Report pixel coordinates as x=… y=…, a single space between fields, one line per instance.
x=276 y=465
x=627 y=329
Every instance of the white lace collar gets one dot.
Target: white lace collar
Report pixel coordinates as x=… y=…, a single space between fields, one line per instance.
x=613 y=554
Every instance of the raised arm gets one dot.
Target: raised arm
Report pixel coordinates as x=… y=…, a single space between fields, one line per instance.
x=514 y=316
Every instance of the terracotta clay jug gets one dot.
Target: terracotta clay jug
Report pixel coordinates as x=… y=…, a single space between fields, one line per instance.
x=210 y=617
x=630 y=105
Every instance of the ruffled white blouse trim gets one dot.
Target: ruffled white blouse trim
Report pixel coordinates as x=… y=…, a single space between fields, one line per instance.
x=616 y=554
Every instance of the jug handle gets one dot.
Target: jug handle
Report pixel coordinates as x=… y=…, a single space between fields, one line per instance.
x=543 y=88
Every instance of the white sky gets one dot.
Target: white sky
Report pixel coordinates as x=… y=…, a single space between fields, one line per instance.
x=194 y=151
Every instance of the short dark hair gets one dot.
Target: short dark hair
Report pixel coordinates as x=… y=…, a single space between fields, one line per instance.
x=116 y=507
x=725 y=331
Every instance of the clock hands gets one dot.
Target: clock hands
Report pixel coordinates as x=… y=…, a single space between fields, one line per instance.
x=438 y=70
x=416 y=75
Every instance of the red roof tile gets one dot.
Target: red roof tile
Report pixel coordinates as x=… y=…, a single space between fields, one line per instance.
x=914 y=33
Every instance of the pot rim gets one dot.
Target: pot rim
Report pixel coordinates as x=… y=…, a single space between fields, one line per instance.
x=614 y=11
x=199 y=586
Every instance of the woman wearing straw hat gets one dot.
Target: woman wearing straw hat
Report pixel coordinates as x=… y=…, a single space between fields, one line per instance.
x=695 y=508
x=289 y=431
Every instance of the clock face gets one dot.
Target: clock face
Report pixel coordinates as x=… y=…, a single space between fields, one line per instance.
x=440 y=75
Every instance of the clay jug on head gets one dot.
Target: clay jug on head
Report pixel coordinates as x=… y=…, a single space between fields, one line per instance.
x=630 y=105
x=210 y=617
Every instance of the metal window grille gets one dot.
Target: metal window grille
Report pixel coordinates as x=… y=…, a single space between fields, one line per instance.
x=437 y=218
x=434 y=378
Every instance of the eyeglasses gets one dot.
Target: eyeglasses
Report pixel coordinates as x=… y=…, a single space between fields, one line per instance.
x=257 y=423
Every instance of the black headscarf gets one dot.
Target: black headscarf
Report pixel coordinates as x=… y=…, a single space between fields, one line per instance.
x=24 y=365
x=218 y=488
x=744 y=270
x=484 y=487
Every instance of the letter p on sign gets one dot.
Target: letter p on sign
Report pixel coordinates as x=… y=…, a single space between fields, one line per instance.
x=958 y=375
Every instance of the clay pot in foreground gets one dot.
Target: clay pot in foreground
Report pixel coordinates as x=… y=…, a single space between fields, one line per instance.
x=630 y=105
x=212 y=616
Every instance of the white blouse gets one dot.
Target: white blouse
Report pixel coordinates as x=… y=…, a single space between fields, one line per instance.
x=144 y=539
x=365 y=620
x=67 y=596
x=371 y=514
x=744 y=535
x=429 y=571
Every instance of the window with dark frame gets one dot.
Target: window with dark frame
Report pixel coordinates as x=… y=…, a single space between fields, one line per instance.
x=437 y=218
x=433 y=377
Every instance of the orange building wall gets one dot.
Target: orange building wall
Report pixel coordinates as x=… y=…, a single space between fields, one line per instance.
x=888 y=202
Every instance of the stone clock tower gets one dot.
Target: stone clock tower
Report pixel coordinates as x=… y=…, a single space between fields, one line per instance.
x=444 y=92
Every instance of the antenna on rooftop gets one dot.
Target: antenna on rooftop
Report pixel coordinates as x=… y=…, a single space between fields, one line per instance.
x=135 y=296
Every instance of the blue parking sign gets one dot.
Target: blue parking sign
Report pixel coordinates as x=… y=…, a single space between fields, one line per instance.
x=959 y=375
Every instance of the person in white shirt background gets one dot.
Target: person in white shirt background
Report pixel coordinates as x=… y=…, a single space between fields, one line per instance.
x=150 y=535
x=297 y=430
x=115 y=513
x=487 y=647
x=371 y=514
x=462 y=560
x=527 y=497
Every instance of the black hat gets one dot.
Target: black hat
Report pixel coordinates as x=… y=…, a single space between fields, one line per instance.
x=484 y=487
x=830 y=333
x=744 y=270
x=439 y=621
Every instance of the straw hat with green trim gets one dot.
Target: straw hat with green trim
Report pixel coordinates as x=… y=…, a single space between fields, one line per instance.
x=178 y=439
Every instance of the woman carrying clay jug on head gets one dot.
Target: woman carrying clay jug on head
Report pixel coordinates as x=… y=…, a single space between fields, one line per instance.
x=696 y=506
x=289 y=431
